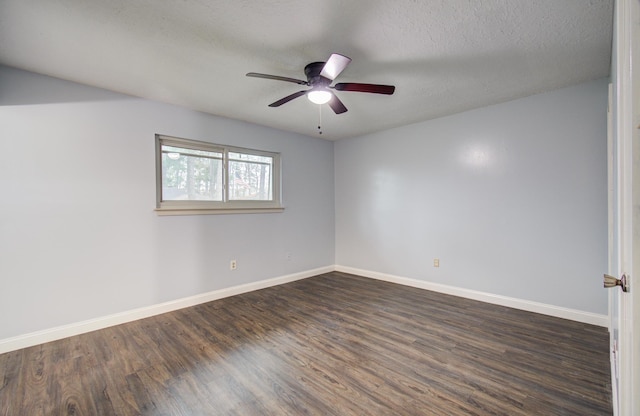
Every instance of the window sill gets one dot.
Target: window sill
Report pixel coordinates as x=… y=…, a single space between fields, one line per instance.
x=215 y=211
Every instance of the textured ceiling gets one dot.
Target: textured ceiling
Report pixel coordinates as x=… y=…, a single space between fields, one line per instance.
x=443 y=56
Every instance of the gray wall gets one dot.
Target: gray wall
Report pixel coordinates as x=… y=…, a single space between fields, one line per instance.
x=511 y=198
x=79 y=237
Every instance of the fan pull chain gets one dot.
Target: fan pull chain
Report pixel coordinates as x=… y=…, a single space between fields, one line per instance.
x=320 y=119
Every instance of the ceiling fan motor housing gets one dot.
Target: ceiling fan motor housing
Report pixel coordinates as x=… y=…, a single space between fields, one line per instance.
x=312 y=71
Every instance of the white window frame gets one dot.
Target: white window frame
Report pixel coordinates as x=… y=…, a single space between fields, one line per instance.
x=173 y=207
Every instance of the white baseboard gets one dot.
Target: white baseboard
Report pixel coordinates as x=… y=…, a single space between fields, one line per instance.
x=526 y=305
x=52 y=334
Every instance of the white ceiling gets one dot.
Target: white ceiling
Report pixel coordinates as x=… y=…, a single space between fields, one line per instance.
x=443 y=56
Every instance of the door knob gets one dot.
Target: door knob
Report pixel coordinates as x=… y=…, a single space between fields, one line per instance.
x=610 y=281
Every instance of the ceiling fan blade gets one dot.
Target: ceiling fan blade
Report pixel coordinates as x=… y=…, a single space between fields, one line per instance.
x=334 y=66
x=372 y=88
x=277 y=78
x=287 y=98
x=336 y=105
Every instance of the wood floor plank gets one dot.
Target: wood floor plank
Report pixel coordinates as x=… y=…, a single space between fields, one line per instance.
x=334 y=344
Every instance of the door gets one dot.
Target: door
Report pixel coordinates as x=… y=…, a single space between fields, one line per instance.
x=625 y=205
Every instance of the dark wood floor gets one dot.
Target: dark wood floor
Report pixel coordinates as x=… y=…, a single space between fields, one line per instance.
x=335 y=344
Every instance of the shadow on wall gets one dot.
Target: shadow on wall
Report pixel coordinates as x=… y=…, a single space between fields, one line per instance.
x=38 y=89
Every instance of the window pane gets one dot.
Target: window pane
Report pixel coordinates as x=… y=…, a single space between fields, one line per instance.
x=208 y=178
x=192 y=175
x=250 y=177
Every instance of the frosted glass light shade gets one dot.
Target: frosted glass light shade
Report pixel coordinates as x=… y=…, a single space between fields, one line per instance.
x=319 y=96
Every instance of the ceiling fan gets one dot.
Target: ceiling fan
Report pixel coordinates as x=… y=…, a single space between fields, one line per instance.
x=320 y=75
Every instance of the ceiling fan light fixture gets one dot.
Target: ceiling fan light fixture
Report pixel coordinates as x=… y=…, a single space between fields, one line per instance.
x=319 y=96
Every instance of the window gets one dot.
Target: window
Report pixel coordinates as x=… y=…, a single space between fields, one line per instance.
x=195 y=177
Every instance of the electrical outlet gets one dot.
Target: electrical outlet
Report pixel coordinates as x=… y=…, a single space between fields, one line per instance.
x=436 y=262
x=288 y=256
x=233 y=265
